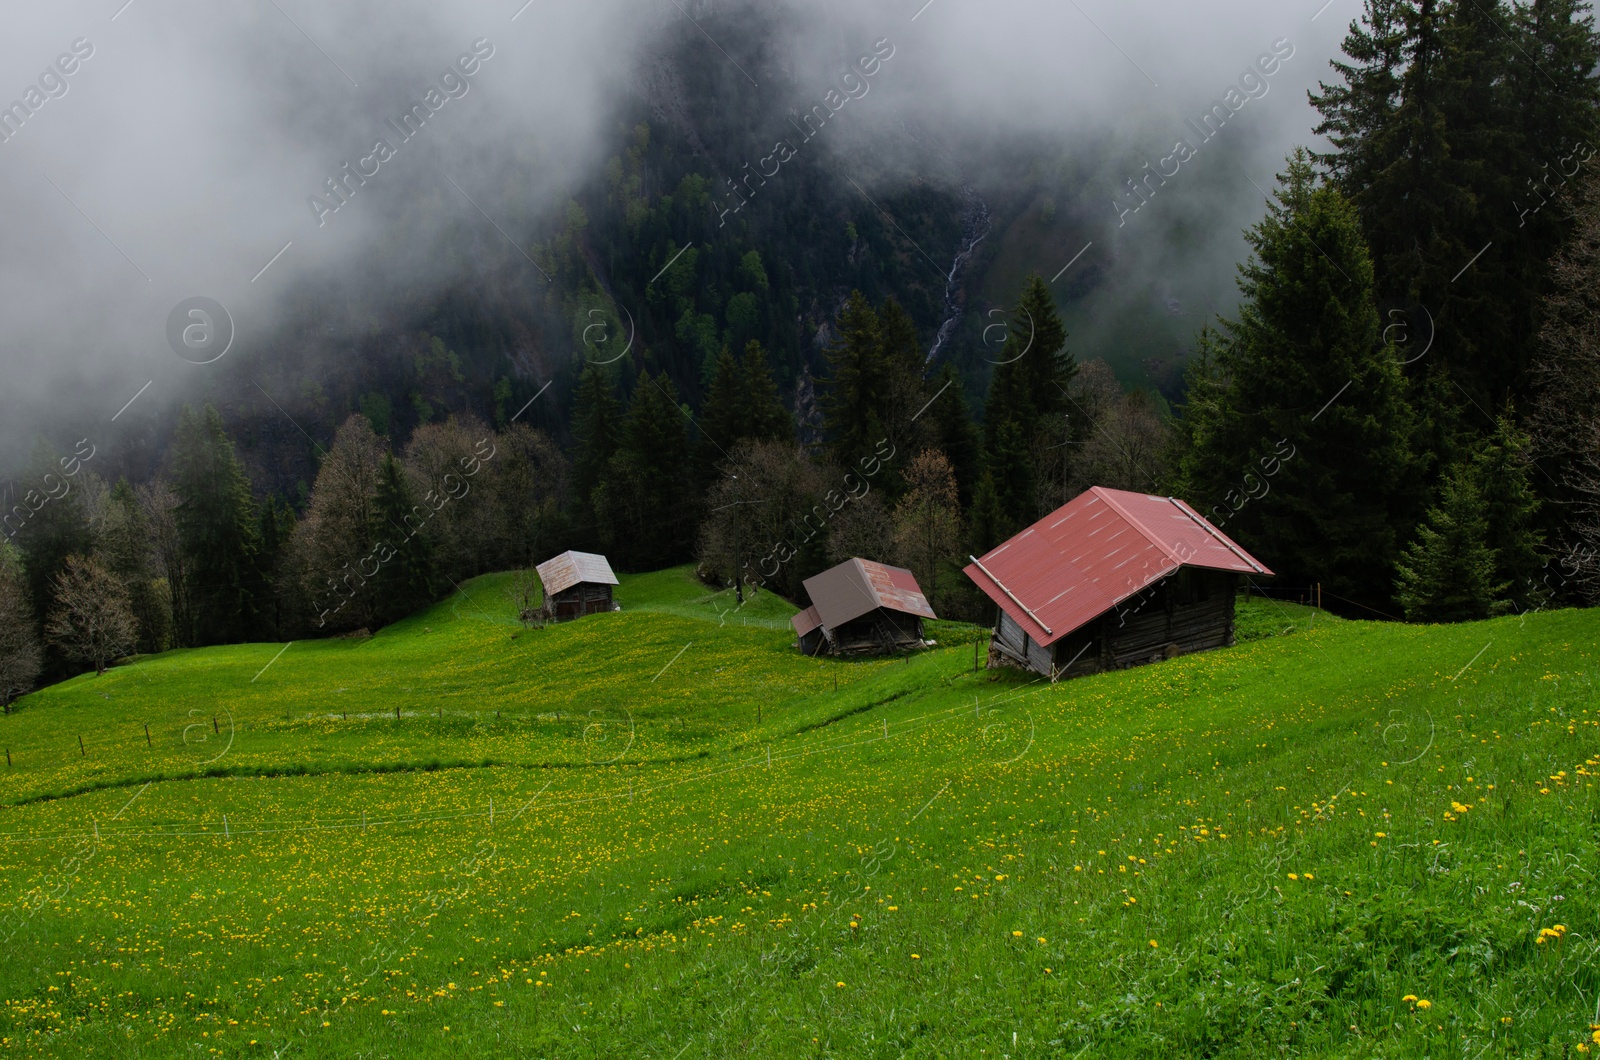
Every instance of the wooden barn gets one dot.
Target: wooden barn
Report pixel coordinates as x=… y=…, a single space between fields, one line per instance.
x=1109 y=580
x=862 y=606
x=576 y=584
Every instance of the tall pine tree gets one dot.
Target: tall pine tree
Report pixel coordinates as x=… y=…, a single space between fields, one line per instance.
x=1447 y=574
x=404 y=581
x=1027 y=397
x=851 y=415
x=597 y=426
x=1301 y=432
x=217 y=527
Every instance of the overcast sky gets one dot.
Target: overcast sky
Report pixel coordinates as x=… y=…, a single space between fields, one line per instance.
x=177 y=159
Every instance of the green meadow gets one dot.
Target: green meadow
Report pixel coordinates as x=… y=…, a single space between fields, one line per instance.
x=661 y=832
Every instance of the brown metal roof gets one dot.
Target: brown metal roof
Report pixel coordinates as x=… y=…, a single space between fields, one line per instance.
x=857 y=586
x=1096 y=551
x=568 y=569
x=806 y=621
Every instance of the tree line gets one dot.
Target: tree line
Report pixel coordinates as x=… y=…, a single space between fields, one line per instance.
x=1401 y=411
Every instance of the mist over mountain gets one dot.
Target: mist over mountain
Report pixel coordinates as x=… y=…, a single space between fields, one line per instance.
x=187 y=156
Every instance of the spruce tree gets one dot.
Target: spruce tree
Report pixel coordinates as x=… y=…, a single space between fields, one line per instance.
x=1500 y=469
x=644 y=501
x=767 y=419
x=851 y=417
x=1027 y=397
x=742 y=403
x=1301 y=437
x=596 y=425
x=722 y=419
x=404 y=581
x=217 y=527
x=902 y=390
x=275 y=530
x=1448 y=573
x=1453 y=124
x=1048 y=367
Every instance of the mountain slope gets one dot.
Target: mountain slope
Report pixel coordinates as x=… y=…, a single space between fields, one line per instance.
x=1224 y=854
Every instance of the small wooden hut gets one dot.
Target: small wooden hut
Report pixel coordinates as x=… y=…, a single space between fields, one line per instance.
x=860 y=607
x=1109 y=580
x=576 y=584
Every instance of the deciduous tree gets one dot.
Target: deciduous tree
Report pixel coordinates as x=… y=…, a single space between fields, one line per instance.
x=90 y=620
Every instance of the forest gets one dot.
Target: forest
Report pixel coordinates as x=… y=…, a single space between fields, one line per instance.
x=1400 y=415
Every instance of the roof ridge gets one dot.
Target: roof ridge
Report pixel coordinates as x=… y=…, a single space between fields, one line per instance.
x=1205 y=524
x=1105 y=495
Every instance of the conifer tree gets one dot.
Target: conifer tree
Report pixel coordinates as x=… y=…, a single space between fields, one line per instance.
x=742 y=403
x=1027 y=396
x=403 y=582
x=1500 y=470
x=1452 y=126
x=722 y=419
x=644 y=501
x=902 y=390
x=767 y=419
x=1301 y=430
x=217 y=526
x=597 y=426
x=851 y=418
x=1447 y=574
x=275 y=531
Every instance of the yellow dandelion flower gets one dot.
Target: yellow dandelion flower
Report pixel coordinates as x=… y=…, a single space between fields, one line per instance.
x=1154 y=944
x=1424 y=1003
x=1016 y=934
x=840 y=984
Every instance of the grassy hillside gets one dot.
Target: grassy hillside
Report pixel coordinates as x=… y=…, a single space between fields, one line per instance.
x=1338 y=838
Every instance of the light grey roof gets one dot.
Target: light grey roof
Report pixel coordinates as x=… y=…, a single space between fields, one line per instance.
x=806 y=621
x=568 y=569
x=857 y=586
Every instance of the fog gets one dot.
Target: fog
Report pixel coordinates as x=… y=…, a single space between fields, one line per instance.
x=178 y=157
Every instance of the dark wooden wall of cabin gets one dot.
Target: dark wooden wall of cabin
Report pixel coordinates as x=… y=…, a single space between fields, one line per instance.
x=585 y=598
x=1190 y=610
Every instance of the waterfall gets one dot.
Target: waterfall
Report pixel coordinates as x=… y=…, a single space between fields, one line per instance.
x=975 y=225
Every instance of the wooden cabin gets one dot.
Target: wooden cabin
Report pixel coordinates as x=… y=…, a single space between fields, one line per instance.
x=576 y=584
x=862 y=607
x=1111 y=579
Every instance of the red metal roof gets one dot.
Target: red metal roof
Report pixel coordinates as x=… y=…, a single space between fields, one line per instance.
x=1096 y=551
x=857 y=586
